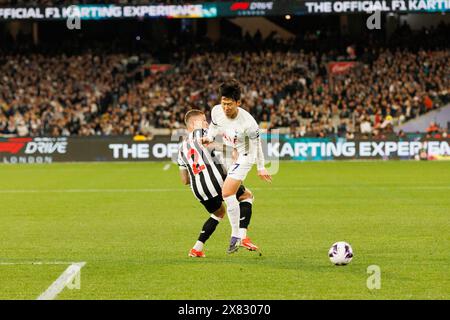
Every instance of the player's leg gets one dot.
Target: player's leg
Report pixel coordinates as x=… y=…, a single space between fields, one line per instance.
x=229 y=190
x=246 y=199
x=231 y=185
x=217 y=209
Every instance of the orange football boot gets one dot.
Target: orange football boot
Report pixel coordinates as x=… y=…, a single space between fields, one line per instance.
x=247 y=244
x=196 y=254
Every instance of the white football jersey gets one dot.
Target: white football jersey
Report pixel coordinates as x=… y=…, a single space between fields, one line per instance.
x=241 y=133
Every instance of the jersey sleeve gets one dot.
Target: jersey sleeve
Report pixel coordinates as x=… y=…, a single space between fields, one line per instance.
x=180 y=161
x=213 y=129
x=253 y=131
x=255 y=144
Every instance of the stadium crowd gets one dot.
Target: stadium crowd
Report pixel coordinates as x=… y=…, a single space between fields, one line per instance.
x=284 y=87
x=58 y=95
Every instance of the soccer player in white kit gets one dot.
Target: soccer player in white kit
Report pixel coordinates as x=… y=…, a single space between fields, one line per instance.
x=240 y=131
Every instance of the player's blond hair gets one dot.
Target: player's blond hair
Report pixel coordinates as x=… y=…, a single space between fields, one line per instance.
x=192 y=113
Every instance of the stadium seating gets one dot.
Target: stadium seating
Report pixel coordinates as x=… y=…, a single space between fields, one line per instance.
x=286 y=86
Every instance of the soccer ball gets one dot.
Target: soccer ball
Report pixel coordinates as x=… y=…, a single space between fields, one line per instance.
x=340 y=253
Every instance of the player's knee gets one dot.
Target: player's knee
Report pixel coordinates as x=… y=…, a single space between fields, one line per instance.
x=227 y=193
x=246 y=195
x=220 y=213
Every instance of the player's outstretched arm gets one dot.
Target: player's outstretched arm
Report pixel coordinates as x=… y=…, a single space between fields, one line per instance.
x=262 y=172
x=257 y=146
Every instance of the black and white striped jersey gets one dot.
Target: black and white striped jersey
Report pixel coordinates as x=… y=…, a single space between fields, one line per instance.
x=205 y=167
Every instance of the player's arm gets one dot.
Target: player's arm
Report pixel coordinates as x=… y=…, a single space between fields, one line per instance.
x=256 y=147
x=213 y=130
x=185 y=176
x=223 y=154
x=183 y=170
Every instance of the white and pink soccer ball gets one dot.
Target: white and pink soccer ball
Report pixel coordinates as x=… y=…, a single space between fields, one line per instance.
x=340 y=253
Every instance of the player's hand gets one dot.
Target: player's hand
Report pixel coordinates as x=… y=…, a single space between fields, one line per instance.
x=264 y=175
x=205 y=141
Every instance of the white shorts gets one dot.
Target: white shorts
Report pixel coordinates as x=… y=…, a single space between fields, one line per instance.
x=239 y=171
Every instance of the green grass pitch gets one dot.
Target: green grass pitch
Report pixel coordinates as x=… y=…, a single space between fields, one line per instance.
x=134 y=223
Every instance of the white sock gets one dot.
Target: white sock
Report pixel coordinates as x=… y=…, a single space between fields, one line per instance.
x=198 y=246
x=234 y=213
x=216 y=217
x=242 y=233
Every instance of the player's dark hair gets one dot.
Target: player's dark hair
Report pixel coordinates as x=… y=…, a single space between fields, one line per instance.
x=231 y=89
x=192 y=113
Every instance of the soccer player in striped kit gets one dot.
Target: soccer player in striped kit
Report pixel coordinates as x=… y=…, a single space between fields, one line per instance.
x=203 y=167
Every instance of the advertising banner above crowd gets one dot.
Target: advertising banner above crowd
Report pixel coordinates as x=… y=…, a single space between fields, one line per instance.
x=163 y=148
x=218 y=9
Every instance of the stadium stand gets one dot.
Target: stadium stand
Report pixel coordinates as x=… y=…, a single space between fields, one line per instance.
x=96 y=91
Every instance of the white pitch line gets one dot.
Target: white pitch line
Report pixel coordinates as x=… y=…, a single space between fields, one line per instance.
x=257 y=189
x=35 y=263
x=89 y=190
x=64 y=279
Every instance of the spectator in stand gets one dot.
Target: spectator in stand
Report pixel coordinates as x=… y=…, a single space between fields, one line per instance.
x=366 y=126
x=433 y=128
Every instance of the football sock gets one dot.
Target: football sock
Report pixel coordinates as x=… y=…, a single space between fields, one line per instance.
x=246 y=214
x=233 y=212
x=198 y=246
x=208 y=229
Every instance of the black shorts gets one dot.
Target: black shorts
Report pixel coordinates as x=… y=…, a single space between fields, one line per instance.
x=213 y=204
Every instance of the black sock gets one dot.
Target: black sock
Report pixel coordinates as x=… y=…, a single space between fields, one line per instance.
x=208 y=229
x=246 y=214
